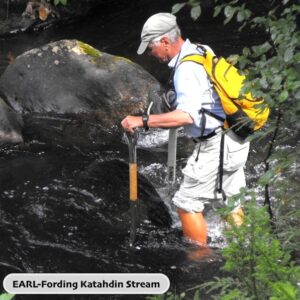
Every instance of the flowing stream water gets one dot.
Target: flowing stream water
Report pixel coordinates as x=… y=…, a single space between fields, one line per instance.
x=54 y=219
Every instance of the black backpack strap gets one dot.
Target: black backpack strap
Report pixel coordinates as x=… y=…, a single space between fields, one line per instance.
x=170 y=82
x=202 y=129
x=202 y=49
x=203 y=121
x=204 y=111
x=213 y=115
x=221 y=169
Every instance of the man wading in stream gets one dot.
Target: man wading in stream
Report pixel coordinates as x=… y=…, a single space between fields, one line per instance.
x=193 y=90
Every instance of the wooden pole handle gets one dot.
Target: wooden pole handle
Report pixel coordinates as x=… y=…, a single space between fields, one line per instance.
x=133 y=182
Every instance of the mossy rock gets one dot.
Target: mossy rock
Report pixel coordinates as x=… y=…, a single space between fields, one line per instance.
x=70 y=77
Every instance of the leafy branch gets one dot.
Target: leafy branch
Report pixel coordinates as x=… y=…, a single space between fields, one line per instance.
x=195 y=8
x=57 y=2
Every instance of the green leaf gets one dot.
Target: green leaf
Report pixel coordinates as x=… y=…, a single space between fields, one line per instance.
x=284 y=290
x=297 y=95
x=177 y=7
x=297 y=57
x=217 y=10
x=261 y=49
x=240 y=16
x=6 y=296
x=243 y=14
x=64 y=2
x=266 y=178
x=283 y=96
x=246 y=51
x=288 y=54
x=197 y=295
x=263 y=82
x=276 y=81
x=296 y=8
x=259 y=20
x=196 y=12
x=247 y=14
x=229 y=12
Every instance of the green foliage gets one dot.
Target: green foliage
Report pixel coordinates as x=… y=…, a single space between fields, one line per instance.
x=63 y=2
x=194 y=6
x=273 y=68
x=167 y=296
x=257 y=265
x=274 y=73
x=6 y=296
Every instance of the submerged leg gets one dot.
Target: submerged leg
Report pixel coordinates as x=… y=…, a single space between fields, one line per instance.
x=193 y=226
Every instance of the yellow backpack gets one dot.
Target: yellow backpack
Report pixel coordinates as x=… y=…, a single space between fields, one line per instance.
x=244 y=114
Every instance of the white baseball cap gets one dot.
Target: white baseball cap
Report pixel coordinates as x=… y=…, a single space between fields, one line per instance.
x=156 y=26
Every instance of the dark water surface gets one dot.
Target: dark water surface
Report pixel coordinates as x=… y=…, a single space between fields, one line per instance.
x=65 y=209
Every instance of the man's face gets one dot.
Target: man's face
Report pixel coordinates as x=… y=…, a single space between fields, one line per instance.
x=159 y=51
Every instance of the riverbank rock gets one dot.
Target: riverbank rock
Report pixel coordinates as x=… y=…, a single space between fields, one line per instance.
x=17 y=16
x=70 y=85
x=11 y=125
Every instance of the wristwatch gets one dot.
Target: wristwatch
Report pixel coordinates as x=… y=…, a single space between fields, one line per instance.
x=145 y=119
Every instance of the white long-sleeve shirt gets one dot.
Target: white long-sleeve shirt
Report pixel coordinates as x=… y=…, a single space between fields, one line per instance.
x=194 y=91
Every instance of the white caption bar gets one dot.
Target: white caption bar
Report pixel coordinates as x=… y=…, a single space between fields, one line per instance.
x=69 y=283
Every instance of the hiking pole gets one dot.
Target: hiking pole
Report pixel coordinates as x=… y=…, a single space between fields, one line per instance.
x=132 y=141
x=171 y=164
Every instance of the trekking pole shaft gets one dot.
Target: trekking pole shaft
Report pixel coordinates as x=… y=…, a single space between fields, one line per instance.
x=133 y=186
x=172 y=153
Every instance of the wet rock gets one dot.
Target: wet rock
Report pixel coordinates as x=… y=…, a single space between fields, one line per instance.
x=11 y=124
x=80 y=130
x=63 y=180
x=18 y=16
x=69 y=212
x=75 y=81
x=72 y=77
x=15 y=24
x=11 y=19
x=113 y=178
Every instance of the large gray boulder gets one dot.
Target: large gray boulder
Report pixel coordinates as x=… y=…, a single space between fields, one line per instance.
x=69 y=80
x=11 y=124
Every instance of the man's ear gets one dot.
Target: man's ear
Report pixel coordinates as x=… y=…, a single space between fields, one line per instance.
x=165 y=41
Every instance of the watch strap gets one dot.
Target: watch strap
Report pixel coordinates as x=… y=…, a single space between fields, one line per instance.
x=145 y=119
